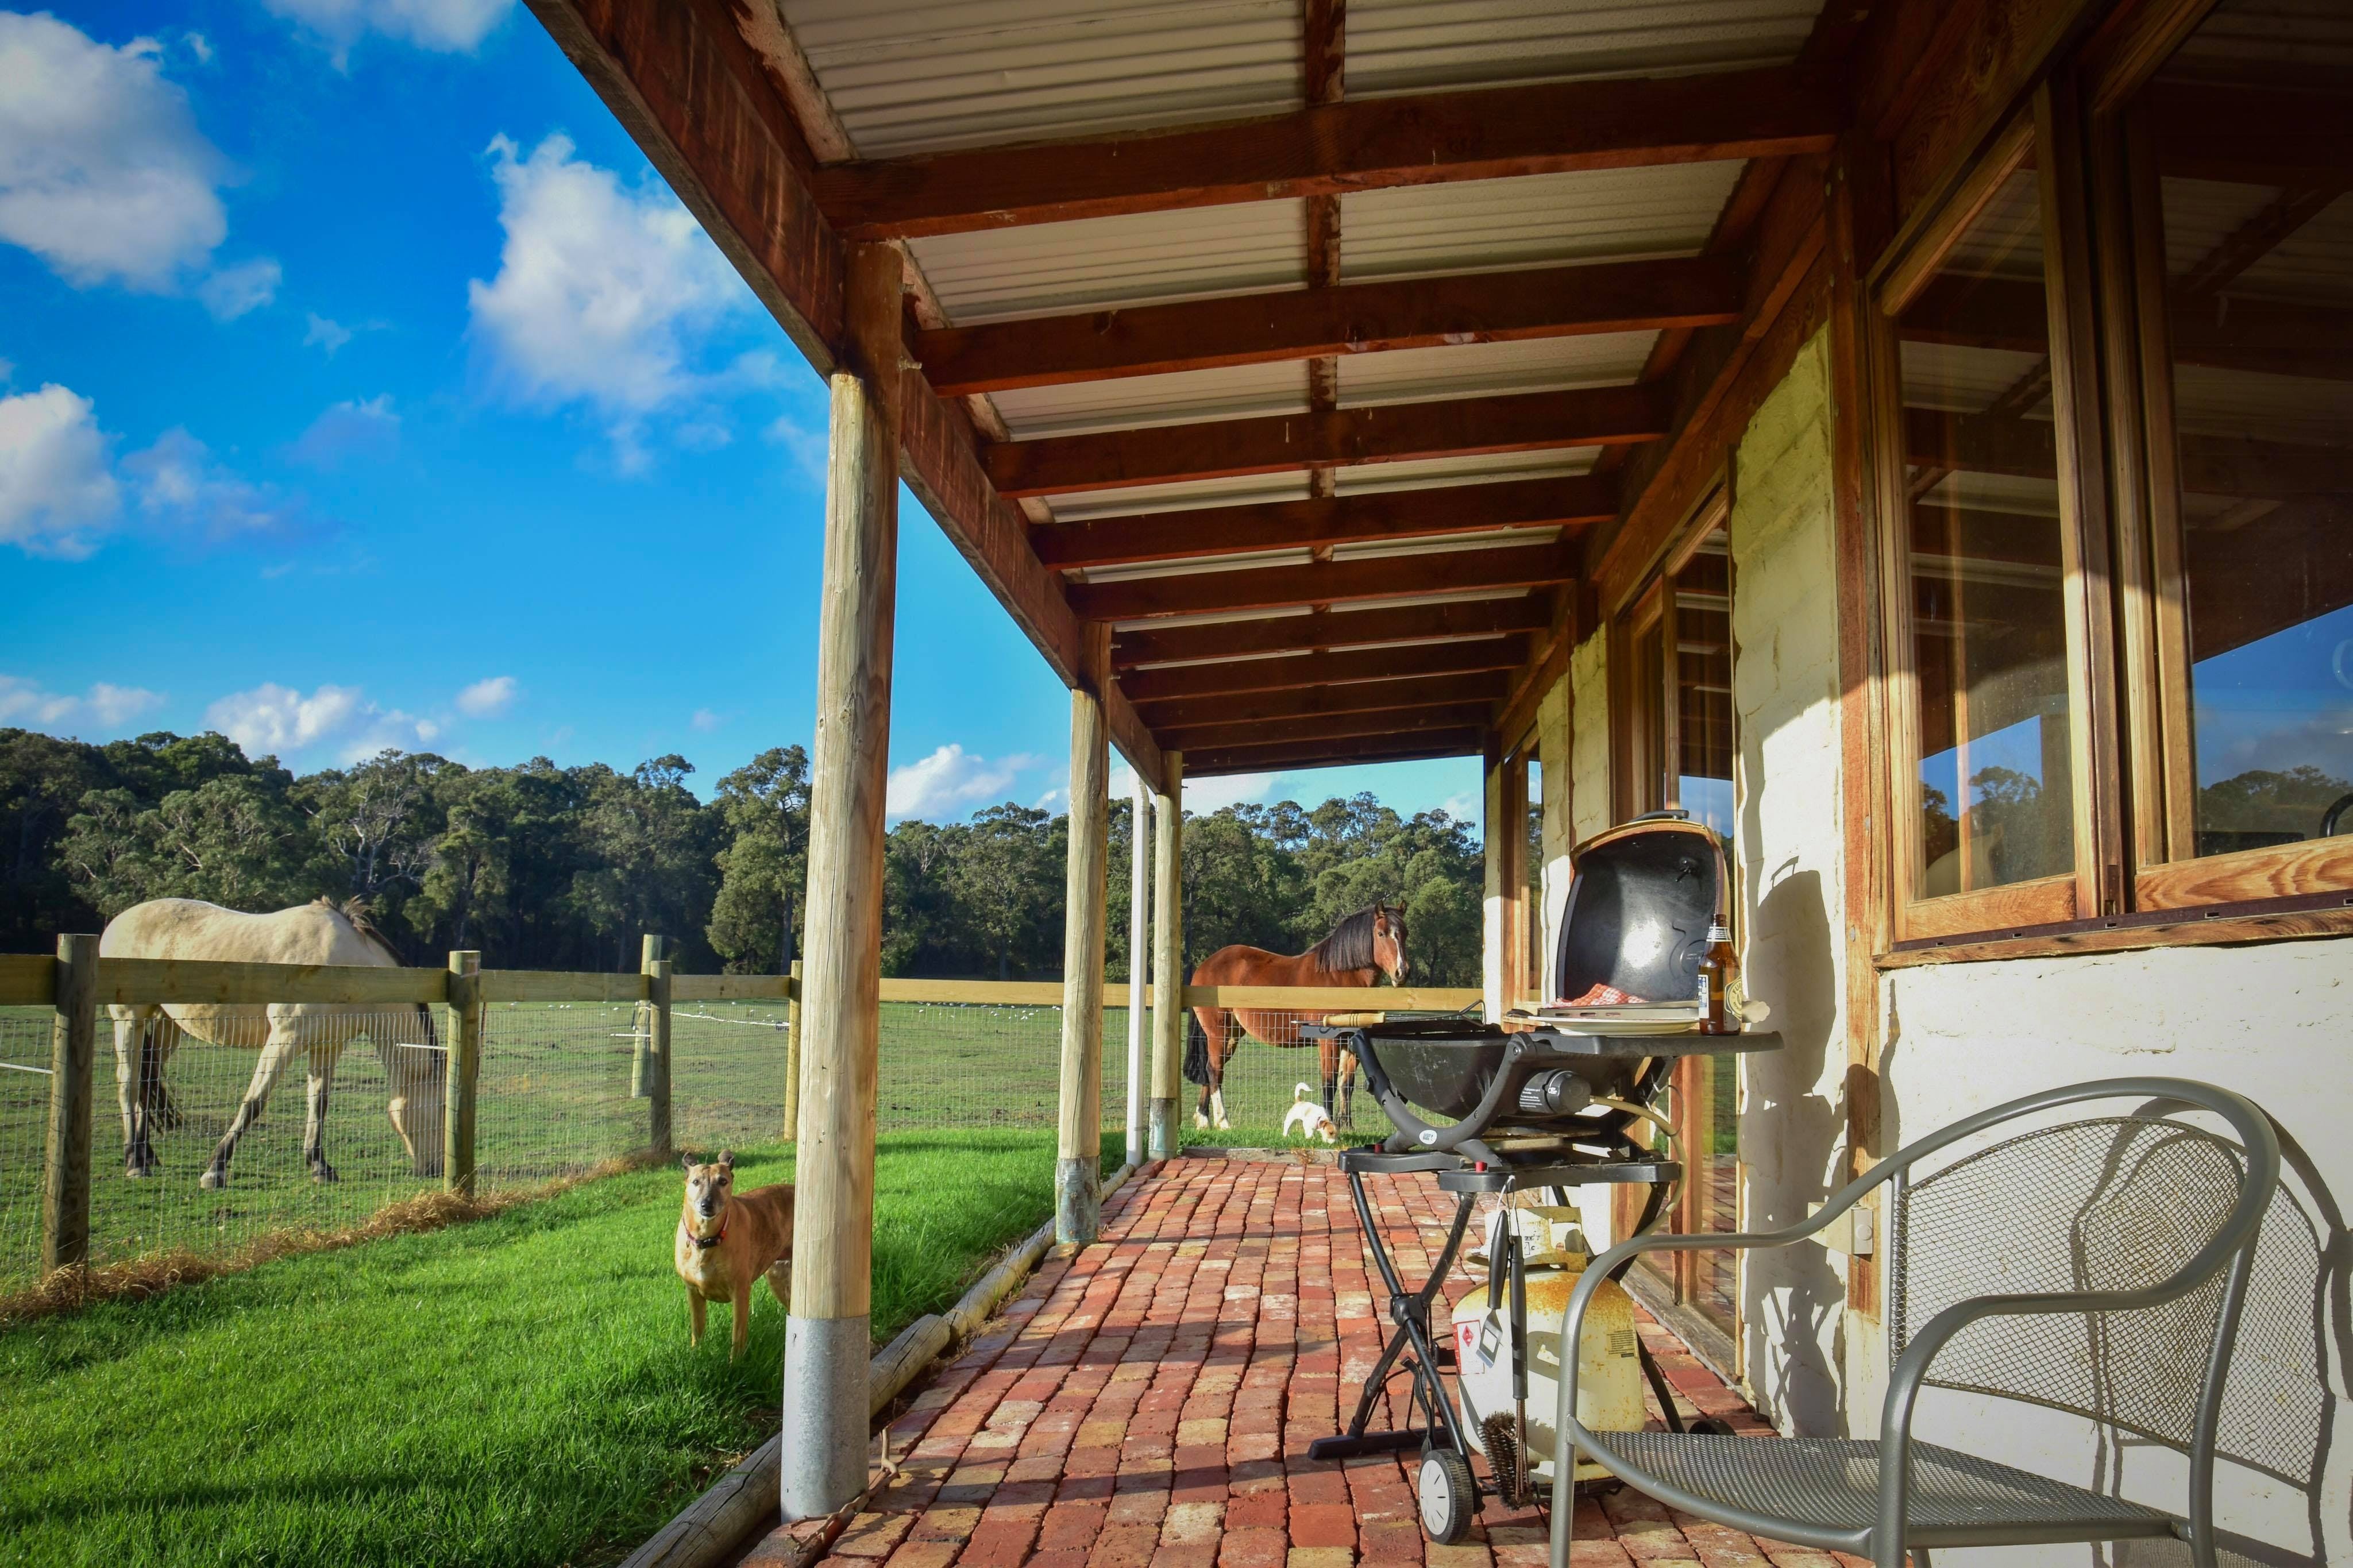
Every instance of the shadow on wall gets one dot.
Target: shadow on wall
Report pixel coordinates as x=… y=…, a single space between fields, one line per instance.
x=1790 y=1130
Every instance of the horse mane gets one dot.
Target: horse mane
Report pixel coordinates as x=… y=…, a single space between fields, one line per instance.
x=1350 y=945
x=356 y=913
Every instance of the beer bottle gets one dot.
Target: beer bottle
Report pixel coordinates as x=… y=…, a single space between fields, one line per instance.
x=1716 y=968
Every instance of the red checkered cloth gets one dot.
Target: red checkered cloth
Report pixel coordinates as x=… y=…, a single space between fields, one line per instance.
x=1601 y=996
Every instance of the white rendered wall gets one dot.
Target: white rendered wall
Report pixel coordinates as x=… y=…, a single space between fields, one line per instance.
x=1588 y=752
x=1554 y=747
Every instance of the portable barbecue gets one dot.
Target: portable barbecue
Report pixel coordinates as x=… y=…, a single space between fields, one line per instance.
x=1537 y=1103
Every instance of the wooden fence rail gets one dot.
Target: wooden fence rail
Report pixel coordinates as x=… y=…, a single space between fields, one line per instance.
x=90 y=984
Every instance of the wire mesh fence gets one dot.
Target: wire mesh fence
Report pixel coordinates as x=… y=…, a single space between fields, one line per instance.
x=553 y=1097
x=24 y=1136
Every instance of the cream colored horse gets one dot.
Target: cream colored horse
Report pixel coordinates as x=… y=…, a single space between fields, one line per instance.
x=315 y=933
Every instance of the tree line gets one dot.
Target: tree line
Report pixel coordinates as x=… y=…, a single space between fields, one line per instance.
x=542 y=867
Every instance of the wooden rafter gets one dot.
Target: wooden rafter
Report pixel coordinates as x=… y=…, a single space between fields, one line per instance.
x=1211 y=761
x=1331 y=149
x=1348 y=318
x=1234 y=677
x=1329 y=726
x=1312 y=524
x=1356 y=697
x=1327 y=630
x=1324 y=583
x=1531 y=421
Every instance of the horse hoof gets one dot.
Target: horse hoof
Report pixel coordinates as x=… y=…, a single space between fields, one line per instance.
x=135 y=1173
x=213 y=1181
x=323 y=1172
x=1224 y=1125
x=1200 y=1123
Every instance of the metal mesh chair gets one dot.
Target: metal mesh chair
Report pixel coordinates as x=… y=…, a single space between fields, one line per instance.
x=2096 y=1265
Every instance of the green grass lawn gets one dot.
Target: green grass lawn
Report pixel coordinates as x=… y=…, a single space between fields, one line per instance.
x=514 y=1391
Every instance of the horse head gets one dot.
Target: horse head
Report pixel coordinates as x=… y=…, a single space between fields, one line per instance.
x=419 y=1071
x=1388 y=944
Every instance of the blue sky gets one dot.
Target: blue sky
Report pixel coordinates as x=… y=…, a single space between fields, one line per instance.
x=360 y=385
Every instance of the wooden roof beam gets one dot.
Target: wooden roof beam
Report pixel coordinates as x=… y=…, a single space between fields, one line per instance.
x=1351 y=318
x=1326 y=581
x=1212 y=762
x=1319 y=523
x=1234 y=676
x=1523 y=422
x=1356 y=697
x=1325 y=630
x=1336 y=148
x=1329 y=727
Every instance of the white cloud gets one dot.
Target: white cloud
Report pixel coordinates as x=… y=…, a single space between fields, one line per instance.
x=1461 y=807
x=950 y=782
x=57 y=490
x=106 y=706
x=706 y=721
x=488 y=698
x=233 y=290
x=280 y=721
x=447 y=26
x=1204 y=795
x=103 y=173
x=603 y=294
x=363 y=428
x=324 y=333
x=808 y=448
x=200 y=46
x=179 y=485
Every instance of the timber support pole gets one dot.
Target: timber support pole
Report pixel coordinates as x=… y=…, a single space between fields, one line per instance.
x=1168 y=952
x=465 y=1073
x=73 y=1067
x=1139 y=943
x=827 y=1343
x=657 y=970
x=1078 y=1172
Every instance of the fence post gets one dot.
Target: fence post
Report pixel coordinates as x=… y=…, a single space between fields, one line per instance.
x=1139 y=943
x=656 y=1047
x=793 y=1054
x=641 y=1023
x=1168 y=955
x=73 y=1058
x=465 y=1073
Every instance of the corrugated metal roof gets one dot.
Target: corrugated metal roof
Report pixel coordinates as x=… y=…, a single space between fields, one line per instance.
x=2314 y=37
x=1540 y=365
x=1411 y=46
x=1054 y=269
x=2005 y=240
x=1231 y=393
x=1193 y=567
x=915 y=77
x=1956 y=378
x=2250 y=403
x=1430 y=473
x=1446 y=544
x=2315 y=264
x=1084 y=506
x=1484 y=225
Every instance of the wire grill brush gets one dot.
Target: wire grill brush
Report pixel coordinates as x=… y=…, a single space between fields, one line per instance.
x=1505 y=1459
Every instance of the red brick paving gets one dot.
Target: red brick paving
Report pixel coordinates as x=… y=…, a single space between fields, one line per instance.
x=1148 y=1401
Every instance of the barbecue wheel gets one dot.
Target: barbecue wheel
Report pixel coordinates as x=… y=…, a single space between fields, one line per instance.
x=1709 y=1426
x=1502 y=1446
x=1448 y=1496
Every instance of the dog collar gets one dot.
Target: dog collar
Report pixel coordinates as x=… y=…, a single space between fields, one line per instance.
x=705 y=1243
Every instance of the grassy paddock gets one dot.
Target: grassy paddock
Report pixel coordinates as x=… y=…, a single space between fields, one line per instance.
x=515 y=1391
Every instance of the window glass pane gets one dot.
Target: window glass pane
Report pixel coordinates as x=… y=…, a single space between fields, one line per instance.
x=1988 y=629
x=1704 y=686
x=2258 y=322
x=1714 y=1129
x=1646 y=718
x=1534 y=860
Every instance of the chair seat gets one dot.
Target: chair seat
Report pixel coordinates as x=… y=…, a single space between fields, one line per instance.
x=1833 y=1484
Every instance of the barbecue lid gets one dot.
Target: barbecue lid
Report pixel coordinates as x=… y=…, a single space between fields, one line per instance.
x=1638 y=905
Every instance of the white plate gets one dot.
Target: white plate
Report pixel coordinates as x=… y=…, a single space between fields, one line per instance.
x=1586 y=1023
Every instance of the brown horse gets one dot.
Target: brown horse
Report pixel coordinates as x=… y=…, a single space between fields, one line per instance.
x=1363 y=946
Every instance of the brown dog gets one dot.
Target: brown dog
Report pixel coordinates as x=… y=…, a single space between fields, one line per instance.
x=726 y=1240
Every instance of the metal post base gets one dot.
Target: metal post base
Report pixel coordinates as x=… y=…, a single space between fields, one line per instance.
x=1162 y=1125
x=1077 y=1201
x=825 y=1413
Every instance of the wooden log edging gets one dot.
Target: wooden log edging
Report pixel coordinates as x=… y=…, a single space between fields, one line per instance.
x=714 y=1526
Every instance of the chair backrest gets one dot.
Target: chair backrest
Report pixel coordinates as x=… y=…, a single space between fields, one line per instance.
x=2107 y=1204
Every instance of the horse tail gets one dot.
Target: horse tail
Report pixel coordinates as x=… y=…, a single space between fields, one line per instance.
x=1196 y=1052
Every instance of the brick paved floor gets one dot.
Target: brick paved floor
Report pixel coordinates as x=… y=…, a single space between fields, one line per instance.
x=1148 y=1404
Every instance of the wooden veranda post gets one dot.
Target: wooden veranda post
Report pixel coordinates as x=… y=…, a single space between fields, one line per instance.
x=655 y=1038
x=1168 y=952
x=826 y=1335
x=1078 y=1172
x=1139 y=938
x=793 y=1053
x=465 y=1031
x=73 y=1060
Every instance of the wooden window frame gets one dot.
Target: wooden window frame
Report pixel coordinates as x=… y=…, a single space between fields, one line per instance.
x=2093 y=885
x=2153 y=664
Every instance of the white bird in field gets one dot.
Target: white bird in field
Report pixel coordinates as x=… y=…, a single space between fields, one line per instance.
x=1307 y=1118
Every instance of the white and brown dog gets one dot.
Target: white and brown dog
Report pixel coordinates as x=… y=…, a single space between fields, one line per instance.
x=727 y=1240
x=1308 y=1119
